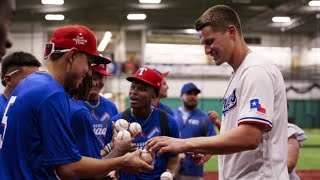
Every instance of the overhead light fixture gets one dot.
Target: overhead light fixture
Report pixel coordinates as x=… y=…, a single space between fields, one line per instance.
x=136 y=16
x=105 y=40
x=150 y=1
x=54 y=17
x=281 y=19
x=314 y=3
x=53 y=2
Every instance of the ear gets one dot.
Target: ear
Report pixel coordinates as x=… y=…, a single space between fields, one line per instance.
x=8 y=80
x=232 y=31
x=71 y=55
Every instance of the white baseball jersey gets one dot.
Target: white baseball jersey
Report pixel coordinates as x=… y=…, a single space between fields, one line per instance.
x=301 y=136
x=256 y=95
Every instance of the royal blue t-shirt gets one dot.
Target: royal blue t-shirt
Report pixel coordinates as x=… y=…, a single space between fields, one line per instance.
x=3 y=104
x=165 y=108
x=101 y=116
x=150 y=128
x=81 y=126
x=38 y=135
x=197 y=125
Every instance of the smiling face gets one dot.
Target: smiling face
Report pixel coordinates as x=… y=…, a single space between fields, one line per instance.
x=7 y=10
x=98 y=81
x=80 y=68
x=219 y=45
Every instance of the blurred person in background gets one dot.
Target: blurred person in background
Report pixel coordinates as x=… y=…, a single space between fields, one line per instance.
x=101 y=108
x=163 y=93
x=14 y=68
x=7 y=11
x=192 y=122
x=296 y=137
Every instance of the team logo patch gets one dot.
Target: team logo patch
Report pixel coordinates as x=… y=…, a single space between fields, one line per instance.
x=80 y=40
x=255 y=104
x=230 y=103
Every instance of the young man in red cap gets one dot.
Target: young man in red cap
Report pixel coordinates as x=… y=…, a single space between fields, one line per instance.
x=145 y=86
x=101 y=109
x=163 y=93
x=37 y=118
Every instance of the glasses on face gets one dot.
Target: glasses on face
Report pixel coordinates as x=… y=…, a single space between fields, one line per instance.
x=13 y=72
x=49 y=49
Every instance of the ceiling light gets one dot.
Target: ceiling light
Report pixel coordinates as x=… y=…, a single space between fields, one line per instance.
x=150 y=1
x=136 y=16
x=105 y=40
x=314 y=3
x=54 y=17
x=53 y=2
x=281 y=19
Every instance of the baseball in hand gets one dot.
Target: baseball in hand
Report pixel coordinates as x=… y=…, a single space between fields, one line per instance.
x=166 y=176
x=134 y=129
x=147 y=156
x=121 y=124
x=123 y=134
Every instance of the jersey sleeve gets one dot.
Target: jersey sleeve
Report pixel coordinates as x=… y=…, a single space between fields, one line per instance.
x=54 y=124
x=297 y=132
x=256 y=98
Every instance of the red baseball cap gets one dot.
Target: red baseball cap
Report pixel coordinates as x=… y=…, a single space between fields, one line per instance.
x=148 y=76
x=100 y=68
x=165 y=74
x=79 y=37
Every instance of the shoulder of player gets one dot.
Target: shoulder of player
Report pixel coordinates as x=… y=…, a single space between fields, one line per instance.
x=77 y=108
x=117 y=117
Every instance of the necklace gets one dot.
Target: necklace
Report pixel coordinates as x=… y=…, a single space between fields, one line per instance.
x=147 y=117
x=92 y=107
x=233 y=75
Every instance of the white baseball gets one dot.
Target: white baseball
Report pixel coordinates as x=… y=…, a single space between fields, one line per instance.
x=121 y=124
x=123 y=134
x=134 y=128
x=166 y=176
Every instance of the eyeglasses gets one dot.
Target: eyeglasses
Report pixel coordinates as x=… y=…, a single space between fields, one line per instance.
x=15 y=71
x=49 y=49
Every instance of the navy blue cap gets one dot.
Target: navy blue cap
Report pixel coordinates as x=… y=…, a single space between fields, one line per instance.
x=188 y=87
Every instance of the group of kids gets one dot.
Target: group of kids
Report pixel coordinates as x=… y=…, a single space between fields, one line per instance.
x=55 y=125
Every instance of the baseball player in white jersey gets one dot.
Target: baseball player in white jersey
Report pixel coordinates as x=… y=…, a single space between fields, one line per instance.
x=252 y=143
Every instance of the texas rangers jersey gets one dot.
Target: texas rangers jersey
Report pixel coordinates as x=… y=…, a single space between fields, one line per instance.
x=300 y=135
x=86 y=141
x=101 y=116
x=37 y=130
x=196 y=125
x=256 y=95
x=150 y=128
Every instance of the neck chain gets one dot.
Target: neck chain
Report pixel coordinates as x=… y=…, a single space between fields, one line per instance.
x=147 y=117
x=93 y=106
x=233 y=75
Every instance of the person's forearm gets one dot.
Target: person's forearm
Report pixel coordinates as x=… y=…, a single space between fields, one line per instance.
x=89 y=167
x=173 y=164
x=242 y=138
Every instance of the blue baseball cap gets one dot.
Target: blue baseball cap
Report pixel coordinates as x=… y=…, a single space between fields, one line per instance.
x=188 y=87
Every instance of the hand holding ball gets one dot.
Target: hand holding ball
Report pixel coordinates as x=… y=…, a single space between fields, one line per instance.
x=134 y=129
x=147 y=156
x=121 y=124
x=123 y=134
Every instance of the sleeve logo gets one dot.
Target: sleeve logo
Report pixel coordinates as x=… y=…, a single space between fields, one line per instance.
x=256 y=105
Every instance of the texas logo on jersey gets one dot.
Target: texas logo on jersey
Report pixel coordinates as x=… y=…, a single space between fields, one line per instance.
x=255 y=104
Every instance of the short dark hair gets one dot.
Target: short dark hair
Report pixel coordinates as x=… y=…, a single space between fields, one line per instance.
x=17 y=60
x=219 y=17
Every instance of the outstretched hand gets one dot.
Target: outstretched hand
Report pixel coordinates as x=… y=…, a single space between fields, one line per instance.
x=121 y=147
x=199 y=158
x=164 y=144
